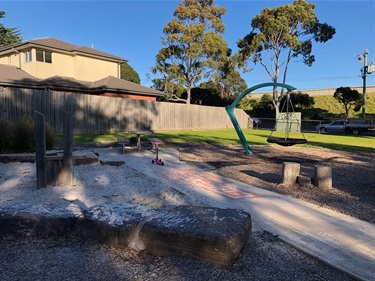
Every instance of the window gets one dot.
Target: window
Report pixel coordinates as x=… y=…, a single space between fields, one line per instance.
x=28 y=56
x=44 y=56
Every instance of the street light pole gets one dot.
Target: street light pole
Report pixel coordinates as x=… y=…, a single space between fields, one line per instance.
x=365 y=54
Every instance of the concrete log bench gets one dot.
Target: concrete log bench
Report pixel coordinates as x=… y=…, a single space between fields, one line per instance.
x=209 y=234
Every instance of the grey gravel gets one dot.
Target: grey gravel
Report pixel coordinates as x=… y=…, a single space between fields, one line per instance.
x=264 y=257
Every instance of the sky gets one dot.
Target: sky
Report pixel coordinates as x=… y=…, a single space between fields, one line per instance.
x=133 y=30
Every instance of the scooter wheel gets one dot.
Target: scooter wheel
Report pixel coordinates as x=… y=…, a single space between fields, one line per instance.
x=162 y=163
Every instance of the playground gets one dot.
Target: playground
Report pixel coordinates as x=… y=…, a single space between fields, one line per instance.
x=263 y=255
x=353 y=174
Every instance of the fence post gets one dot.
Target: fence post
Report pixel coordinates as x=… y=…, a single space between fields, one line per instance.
x=68 y=148
x=40 y=150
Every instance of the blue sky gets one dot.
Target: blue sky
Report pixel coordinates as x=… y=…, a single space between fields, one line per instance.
x=133 y=30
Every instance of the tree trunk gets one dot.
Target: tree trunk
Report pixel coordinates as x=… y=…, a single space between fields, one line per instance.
x=276 y=101
x=188 y=95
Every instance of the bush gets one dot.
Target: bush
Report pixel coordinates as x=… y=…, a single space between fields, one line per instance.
x=50 y=137
x=5 y=136
x=23 y=135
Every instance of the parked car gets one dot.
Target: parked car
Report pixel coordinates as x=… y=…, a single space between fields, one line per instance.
x=354 y=126
x=337 y=126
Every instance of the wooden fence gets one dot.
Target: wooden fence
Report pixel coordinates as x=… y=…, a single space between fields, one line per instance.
x=108 y=114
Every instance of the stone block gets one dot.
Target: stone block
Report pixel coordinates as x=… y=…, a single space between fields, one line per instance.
x=208 y=234
x=323 y=176
x=45 y=220
x=304 y=181
x=113 y=224
x=290 y=171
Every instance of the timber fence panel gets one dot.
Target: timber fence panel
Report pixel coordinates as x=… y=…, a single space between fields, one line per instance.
x=93 y=113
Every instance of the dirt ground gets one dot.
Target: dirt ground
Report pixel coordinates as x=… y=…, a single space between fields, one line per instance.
x=353 y=174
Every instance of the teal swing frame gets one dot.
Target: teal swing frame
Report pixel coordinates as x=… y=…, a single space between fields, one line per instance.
x=230 y=110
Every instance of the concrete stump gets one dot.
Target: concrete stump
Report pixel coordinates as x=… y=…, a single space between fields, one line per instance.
x=290 y=171
x=323 y=176
x=304 y=181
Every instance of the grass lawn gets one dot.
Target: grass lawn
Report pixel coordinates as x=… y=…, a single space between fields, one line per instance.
x=351 y=143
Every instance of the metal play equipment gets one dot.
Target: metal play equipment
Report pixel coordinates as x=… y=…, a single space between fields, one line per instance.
x=230 y=110
x=287 y=121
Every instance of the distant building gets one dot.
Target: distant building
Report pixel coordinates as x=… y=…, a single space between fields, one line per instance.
x=49 y=63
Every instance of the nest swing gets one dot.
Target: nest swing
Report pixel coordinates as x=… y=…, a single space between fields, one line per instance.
x=289 y=119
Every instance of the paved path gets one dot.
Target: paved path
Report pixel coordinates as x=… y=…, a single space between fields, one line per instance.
x=342 y=241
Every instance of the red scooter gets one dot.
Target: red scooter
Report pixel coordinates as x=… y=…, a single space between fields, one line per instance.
x=155 y=142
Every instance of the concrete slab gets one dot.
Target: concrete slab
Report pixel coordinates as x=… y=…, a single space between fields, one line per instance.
x=210 y=234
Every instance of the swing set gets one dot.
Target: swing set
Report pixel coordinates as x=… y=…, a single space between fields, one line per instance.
x=286 y=121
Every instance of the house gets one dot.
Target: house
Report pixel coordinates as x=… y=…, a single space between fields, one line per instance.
x=52 y=64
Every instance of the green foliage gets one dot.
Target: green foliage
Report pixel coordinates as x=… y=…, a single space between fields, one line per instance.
x=21 y=135
x=264 y=108
x=8 y=36
x=325 y=107
x=247 y=104
x=129 y=74
x=6 y=135
x=172 y=89
x=50 y=137
x=227 y=79
x=207 y=96
x=299 y=101
x=192 y=44
x=348 y=97
x=282 y=34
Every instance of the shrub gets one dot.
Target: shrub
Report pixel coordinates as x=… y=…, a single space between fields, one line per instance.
x=5 y=136
x=24 y=135
x=50 y=137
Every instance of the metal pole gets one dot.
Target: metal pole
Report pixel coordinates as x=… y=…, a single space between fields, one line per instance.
x=364 y=83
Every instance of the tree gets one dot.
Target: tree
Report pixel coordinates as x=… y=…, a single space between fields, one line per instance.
x=264 y=107
x=228 y=79
x=281 y=34
x=203 y=96
x=8 y=36
x=172 y=89
x=128 y=73
x=192 y=43
x=299 y=100
x=348 y=97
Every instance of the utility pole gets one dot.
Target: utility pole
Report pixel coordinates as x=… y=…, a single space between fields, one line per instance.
x=364 y=73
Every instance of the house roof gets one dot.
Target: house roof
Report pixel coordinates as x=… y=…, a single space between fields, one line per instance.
x=55 y=44
x=9 y=74
x=12 y=76
x=111 y=83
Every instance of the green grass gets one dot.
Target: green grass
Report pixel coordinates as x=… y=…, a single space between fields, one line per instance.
x=351 y=143
x=93 y=137
x=334 y=108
